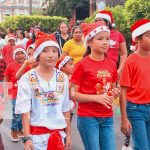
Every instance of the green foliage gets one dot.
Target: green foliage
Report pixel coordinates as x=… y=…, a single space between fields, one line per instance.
x=125 y=16
x=48 y=24
x=137 y=9
x=63 y=7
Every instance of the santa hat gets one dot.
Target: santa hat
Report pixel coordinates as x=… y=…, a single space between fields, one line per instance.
x=31 y=46
x=62 y=61
x=19 y=49
x=105 y=14
x=140 y=27
x=92 y=29
x=11 y=37
x=44 y=40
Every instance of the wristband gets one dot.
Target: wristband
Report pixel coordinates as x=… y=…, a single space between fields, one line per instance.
x=26 y=138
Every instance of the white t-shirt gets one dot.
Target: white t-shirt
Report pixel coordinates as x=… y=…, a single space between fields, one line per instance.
x=22 y=42
x=44 y=111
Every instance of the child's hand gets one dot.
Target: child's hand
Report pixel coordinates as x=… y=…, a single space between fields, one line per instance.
x=68 y=143
x=126 y=126
x=28 y=145
x=115 y=92
x=105 y=100
x=30 y=61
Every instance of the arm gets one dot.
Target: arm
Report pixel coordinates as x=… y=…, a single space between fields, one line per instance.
x=26 y=128
x=68 y=130
x=123 y=56
x=21 y=70
x=125 y=124
x=103 y=99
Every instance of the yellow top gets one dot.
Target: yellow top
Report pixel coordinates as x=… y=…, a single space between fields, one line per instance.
x=74 y=50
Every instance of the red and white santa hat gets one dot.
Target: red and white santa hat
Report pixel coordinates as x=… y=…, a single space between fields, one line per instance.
x=44 y=40
x=11 y=37
x=139 y=27
x=18 y=49
x=92 y=29
x=62 y=61
x=105 y=14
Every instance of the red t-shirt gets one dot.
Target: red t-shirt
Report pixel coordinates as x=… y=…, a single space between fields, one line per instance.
x=94 y=77
x=135 y=76
x=10 y=72
x=7 y=52
x=115 y=39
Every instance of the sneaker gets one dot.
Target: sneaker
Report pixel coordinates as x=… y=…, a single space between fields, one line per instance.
x=14 y=136
x=20 y=133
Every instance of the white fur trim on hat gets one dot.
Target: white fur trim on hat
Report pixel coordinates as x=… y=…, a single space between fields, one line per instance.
x=40 y=48
x=19 y=50
x=140 y=30
x=11 y=38
x=95 y=32
x=104 y=16
x=64 y=61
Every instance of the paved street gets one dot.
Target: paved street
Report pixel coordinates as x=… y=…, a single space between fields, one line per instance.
x=77 y=144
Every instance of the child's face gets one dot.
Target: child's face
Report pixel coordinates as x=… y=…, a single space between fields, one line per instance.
x=20 y=57
x=30 y=52
x=49 y=56
x=69 y=67
x=145 y=41
x=100 y=43
x=11 y=42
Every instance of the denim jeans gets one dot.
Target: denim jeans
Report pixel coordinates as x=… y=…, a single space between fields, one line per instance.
x=139 y=116
x=96 y=133
x=16 y=123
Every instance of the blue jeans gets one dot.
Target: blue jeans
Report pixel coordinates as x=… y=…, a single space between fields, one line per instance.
x=139 y=116
x=96 y=133
x=16 y=123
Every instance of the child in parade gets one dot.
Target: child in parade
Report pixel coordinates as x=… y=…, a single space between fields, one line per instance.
x=117 y=44
x=43 y=100
x=10 y=90
x=66 y=64
x=135 y=83
x=8 y=49
x=93 y=86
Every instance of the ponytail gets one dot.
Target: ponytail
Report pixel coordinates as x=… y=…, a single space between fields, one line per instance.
x=88 y=51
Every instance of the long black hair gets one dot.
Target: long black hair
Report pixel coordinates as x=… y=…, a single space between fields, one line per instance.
x=88 y=51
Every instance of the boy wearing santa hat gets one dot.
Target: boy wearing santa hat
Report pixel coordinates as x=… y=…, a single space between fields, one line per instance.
x=117 y=45
x=135 y=88
x=10 y=90
x=43 y=95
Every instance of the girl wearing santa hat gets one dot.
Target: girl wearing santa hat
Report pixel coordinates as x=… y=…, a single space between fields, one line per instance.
x=135 y=83
x=43 y=100
x=10 y=90
x=117 y=45
x=93 y=86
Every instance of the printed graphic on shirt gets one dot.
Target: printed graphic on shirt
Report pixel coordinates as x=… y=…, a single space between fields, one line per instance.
x=50 y=97
x=113 y=44
x=103 y=85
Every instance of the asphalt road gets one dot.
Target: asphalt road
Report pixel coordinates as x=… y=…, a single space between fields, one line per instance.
x=76 y=140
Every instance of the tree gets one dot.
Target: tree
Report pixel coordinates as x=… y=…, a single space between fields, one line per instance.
x=137 y=9
x=63 y=7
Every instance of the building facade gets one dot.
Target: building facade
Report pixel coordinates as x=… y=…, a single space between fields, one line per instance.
x=18 y=7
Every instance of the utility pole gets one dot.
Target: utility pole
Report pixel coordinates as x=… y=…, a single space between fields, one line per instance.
x=30 y=7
